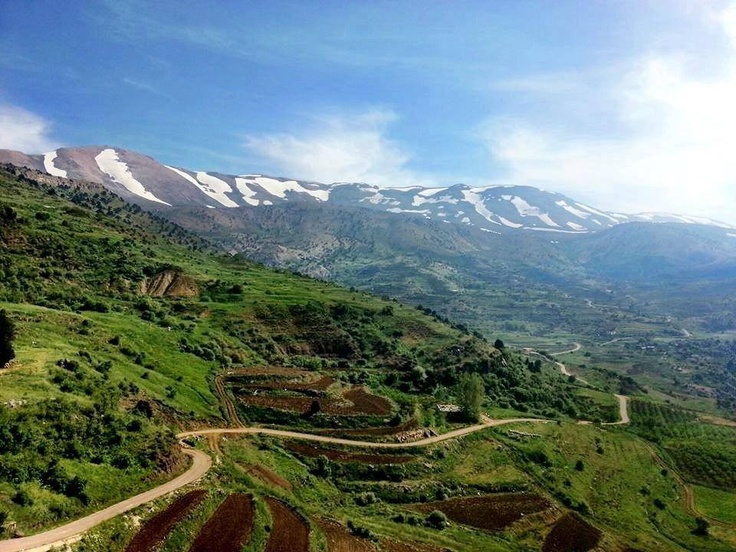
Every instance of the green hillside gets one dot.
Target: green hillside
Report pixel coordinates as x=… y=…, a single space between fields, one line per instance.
x=129 y=329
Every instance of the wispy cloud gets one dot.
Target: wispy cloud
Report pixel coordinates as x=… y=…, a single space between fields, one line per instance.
x=352 y=148
x=24 y=131
x=673 y=149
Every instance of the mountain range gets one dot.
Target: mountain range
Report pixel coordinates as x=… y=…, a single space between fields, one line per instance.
x=505 y=260
x=493 y=209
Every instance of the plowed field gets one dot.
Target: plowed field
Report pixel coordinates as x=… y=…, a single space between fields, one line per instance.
x=229 y=528
x=354 y=402
x=395 y=546
x=339 y=538
x=492 y=512
x=571 y=534
x=290 y=532
x=313 y=451
x=155 y=530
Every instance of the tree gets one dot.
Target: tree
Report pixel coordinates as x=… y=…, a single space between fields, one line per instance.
x=701 y=527
x=471 y=392
x=7 y=335
x=498 y=344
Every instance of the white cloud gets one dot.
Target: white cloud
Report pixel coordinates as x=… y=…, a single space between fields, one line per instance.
x=352 y=148
x=673 y=148
x=24 y=131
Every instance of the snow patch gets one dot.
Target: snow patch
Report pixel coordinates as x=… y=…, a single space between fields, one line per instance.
x=477 y=202
x=110 y=164
x=596 y=212
x=731 y=235
x=431 y=191
x=570 y=209
x=576 y=226
x=465 y=220
x=279 y=188
x=424 y=212
x=48 y=164
x=508 y=223
x=215 y=188
x=249 y=196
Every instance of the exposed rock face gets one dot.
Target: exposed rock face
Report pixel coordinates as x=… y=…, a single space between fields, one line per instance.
x=169 y=283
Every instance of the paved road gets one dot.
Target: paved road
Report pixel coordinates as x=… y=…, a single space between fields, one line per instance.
x=201 y=463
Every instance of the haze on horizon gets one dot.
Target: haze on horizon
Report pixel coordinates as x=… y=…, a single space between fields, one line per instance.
x=627 y=105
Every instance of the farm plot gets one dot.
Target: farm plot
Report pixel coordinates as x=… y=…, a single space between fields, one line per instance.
x=156 y=529
x=290 y=532
x=317 y=387
x=389 y=545
x=264 y=474
x=313 y=451
x=229 y=528
x=354 y=402
x=490 y=512
x=410 y=425
x=571 y=534
x=339 y=538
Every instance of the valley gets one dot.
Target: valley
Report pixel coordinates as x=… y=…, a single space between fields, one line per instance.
x=344 y=416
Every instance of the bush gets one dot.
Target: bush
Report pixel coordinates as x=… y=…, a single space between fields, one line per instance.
x=437 y=520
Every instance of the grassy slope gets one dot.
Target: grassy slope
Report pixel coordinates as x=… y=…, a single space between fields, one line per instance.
x=61 y=269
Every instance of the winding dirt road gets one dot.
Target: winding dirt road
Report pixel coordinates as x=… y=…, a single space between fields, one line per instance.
x=201 y=463
x=623 y=411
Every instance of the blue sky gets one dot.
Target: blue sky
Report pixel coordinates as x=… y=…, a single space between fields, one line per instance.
x=626 y=105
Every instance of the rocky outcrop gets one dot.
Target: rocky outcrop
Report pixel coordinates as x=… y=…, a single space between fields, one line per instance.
x=169 y=283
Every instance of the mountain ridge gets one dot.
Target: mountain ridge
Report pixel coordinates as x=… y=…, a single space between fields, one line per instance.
x=493 y=209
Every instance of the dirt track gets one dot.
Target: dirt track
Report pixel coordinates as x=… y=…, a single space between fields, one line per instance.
x=201 y=463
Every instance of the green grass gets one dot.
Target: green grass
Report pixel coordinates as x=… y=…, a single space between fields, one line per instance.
x=716 y=503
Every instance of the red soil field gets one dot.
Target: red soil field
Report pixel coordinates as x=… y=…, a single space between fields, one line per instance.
x=362 y=403
x=315 y=387
x=313 y=451
x=276 y=371
x=229 y=528
x=365 y=403
x=291 y=404
x=290 y=532
x=155 y=530
x=373 y=431
x=571 y=534
x=491 y=512
x=339 y=538
x=389 y=545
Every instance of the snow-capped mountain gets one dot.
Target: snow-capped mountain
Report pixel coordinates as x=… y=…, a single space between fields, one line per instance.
x=495 y=209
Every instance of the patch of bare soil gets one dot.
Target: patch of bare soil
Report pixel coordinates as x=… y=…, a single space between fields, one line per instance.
x=389 y=545
x=290 y=531
x=490 y=512
x=313 y=451
x=339 y=538
x=571 y=534
x=229 y=528
x=156 y=529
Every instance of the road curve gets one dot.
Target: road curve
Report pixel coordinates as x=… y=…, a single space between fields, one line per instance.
x=623 y=411
x=201 y=463
x=487 y=422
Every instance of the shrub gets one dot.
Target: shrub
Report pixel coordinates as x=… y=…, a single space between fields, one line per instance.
x=437 y=520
